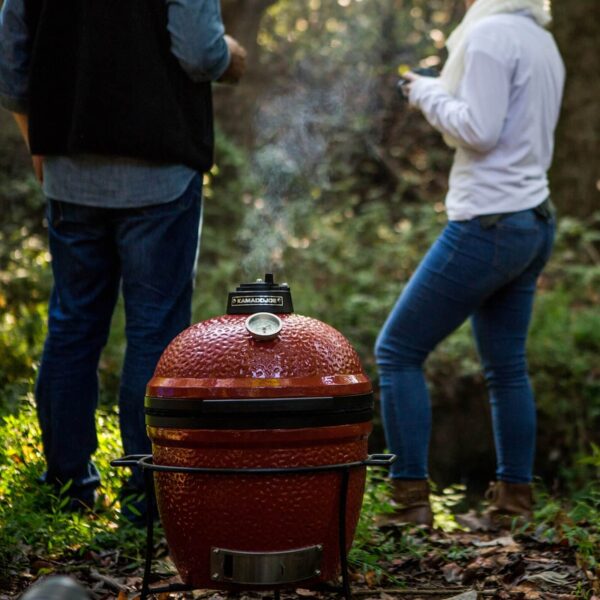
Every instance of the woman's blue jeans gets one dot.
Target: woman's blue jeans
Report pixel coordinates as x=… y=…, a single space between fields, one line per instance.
x=487 y=274
x=148 y=252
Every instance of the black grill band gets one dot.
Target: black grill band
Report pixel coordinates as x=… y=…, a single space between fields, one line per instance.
x=252 y=413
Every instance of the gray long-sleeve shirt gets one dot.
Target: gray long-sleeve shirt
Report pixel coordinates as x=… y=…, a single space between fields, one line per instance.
x=197 y=41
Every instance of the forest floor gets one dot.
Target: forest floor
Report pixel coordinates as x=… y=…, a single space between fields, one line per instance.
x=458 y=565
x=557 y=556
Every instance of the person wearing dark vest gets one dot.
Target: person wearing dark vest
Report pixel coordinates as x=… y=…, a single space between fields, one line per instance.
x=114 y=101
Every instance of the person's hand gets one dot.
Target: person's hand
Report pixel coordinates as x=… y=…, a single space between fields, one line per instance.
x=38 y=167
x=410 y=78
x=237 y=62
x=37 y=160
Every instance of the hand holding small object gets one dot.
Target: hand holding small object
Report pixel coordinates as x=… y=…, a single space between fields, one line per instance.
x=407 y=80
x=237 y=61
x=404 y=86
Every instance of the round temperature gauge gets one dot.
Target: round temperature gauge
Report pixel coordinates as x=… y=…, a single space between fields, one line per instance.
x=264 y=326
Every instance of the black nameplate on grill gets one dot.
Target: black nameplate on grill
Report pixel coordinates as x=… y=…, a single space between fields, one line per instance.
x=258 y=413
x=260 y=296
x=257 y=300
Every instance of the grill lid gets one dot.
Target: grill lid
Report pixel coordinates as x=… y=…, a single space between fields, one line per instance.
x=261 y=296
x=258 y=356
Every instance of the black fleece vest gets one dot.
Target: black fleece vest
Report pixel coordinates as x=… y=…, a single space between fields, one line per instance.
x=104 y=81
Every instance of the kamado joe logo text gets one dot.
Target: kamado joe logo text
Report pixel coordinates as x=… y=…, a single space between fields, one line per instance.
x=257 y=301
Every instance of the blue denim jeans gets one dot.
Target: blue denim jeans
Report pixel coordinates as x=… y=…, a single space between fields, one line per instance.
x=489 y=275
x=150 y=253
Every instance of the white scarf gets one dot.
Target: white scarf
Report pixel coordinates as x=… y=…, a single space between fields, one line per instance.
x=455 y=65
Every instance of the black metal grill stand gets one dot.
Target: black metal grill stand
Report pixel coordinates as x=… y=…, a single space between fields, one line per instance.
x=145 y=462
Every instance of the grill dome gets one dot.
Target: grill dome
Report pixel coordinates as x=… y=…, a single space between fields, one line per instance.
x=224 y=398
x=219 y=358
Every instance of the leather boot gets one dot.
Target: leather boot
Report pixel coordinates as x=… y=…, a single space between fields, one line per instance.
x=509 y=503
x=411 y=500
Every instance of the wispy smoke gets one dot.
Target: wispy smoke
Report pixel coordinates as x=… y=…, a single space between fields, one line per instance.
x=295 y=130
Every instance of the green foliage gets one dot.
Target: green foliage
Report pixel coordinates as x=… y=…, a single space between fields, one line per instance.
x=24 y=285
x=32 y=522
x=564 y=346
x=577 y=524
x=374 y=548
x=371 y=546
x=443 y=504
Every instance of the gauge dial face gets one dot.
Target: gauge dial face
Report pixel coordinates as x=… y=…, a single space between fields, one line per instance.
x=264 y=326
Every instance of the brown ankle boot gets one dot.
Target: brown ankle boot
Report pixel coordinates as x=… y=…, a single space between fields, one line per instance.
x=411 y=499
x=509 y=502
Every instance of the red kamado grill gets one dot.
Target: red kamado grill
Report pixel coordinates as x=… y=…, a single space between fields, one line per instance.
x=259 y=422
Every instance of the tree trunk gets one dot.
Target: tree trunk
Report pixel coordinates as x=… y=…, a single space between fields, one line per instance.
x=574 y=177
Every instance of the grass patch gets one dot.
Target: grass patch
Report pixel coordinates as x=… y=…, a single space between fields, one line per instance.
x=32 y=524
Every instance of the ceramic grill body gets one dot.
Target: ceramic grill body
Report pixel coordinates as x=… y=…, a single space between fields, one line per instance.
x=226 y=396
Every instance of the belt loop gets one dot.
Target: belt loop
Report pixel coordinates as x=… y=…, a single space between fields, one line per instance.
x=546 y=210
x=488 y=221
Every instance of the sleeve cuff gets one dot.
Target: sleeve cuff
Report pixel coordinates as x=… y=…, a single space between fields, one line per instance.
x=220 y=68
x=420 y=87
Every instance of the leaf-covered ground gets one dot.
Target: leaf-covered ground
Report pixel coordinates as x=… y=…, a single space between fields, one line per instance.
x=452 y=565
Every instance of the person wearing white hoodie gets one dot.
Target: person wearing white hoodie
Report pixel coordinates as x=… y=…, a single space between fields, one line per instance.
x=497 y=103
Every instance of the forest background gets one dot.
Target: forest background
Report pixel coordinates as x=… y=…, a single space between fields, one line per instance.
x=326 y=178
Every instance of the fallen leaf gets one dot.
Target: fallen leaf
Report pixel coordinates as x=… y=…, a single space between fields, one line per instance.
x=371 y=579
x=489 y=551
x=305 y=593
x=540 y=564
x=501 y=541
x=477 y=569
x=405 y=562
x=549 y=577
x=356 y=577
x=465 y=596
x=513 y=568
x=452 y=573
x=432 y=561
x=201 y=594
